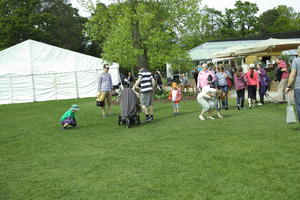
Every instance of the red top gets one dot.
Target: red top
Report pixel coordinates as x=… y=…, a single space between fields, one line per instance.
x=282 y=65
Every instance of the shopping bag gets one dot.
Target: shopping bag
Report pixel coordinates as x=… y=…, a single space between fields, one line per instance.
x=100 y=99
x=290 y=113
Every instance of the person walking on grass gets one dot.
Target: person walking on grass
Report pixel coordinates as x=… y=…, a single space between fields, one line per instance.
x=105 y=86
x=68 y=117
x=240 y=83
x=147 y=83
x=263 y=83
x=208 y=99
x=282 y=66
x=294 y=79
x=175 y=96
x=221 y=77
x=252 y=85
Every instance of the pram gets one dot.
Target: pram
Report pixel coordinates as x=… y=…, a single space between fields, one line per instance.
x=129 y=108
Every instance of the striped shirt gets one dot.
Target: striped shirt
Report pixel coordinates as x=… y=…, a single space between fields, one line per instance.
x=146 y=81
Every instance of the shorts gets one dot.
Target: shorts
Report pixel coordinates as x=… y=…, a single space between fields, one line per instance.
x=146 y=99
x=108 y=97
x=175 y=105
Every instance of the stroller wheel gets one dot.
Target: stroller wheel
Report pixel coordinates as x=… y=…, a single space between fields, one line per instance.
x=120 y=120
x=128 y=123
x=138 y=119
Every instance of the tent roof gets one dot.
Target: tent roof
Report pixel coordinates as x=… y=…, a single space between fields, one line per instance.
x=32 y=57
x=206 y=50
x=261 y=47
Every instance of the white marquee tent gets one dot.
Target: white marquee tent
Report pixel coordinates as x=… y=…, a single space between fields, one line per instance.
x=35 y=71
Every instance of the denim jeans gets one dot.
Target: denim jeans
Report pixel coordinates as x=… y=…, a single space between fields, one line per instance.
x=297 y=101
x=225 y=89
x=240 y=97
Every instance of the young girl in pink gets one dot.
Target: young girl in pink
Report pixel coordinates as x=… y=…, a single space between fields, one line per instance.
x=175 y=97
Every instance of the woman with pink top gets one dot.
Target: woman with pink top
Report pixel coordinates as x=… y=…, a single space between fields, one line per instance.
x=252 y=85
x=203 y=76
x=240 y=83
x=284 y=78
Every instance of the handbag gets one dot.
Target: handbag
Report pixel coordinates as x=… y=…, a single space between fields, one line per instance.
x=100 y=99
x=229 y=84
x=290 y=113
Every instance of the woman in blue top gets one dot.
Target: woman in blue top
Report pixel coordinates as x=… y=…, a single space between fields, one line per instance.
x=221 y=76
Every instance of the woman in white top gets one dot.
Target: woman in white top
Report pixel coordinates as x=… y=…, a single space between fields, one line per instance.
x=208 y=99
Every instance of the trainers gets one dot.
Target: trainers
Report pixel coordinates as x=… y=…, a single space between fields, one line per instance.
x=148 y=119
x=201 y=117
x=210 y=117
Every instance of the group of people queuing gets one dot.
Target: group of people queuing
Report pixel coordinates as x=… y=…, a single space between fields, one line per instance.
x=213 y=84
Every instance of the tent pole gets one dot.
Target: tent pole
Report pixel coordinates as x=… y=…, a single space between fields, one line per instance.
x=33 y=85
x=11 y=89
x=55 y=86
x=33 y=89
x=77 y=91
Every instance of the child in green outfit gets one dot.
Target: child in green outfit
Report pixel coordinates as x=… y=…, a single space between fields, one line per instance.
x=68 y=117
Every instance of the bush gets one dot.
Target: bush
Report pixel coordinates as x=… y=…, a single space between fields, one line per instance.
x=161 y=94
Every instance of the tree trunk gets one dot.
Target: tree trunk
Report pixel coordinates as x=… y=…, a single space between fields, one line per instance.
x=142 y=59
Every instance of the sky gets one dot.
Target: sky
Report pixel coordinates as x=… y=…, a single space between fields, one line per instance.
x=263 y=5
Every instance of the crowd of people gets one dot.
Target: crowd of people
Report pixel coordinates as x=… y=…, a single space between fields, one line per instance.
x=213 y=84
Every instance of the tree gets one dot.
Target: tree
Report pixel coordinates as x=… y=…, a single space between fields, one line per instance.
x=213 y=21
x=21 y=20
x=228 y=24
x=146 y=33
x=267 y=19
x=246 y=20
x=51 y=21
x=279 y=19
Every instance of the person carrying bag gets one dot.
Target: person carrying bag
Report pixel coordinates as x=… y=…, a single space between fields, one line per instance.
x=100 y=99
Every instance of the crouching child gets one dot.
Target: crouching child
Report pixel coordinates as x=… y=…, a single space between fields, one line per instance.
x=68 y=117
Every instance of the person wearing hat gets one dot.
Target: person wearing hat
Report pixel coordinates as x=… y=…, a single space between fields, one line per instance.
x=105 y=86
x=175 y=96
x=68 y=117
x=252 y=85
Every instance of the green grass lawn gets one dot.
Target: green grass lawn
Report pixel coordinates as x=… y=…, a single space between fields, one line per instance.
x=250 y=154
